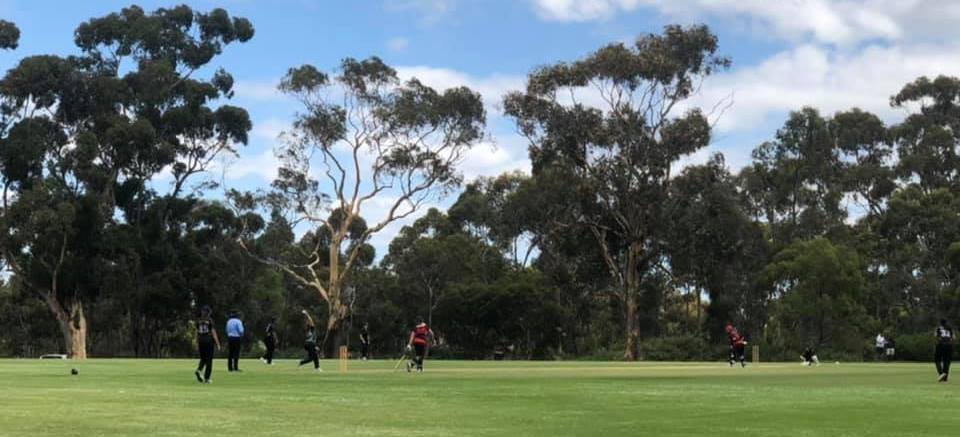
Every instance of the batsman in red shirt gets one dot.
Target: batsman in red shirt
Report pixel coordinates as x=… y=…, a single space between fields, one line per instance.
x=738 y=346
x=420 y=339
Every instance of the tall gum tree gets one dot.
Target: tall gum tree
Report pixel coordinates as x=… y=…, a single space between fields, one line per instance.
x=9 y=40
x=363 y=137
x=608 y=124
x=80 y=134
x=921 y=222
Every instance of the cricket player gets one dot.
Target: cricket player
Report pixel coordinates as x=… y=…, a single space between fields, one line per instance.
x=738 y=345
x=270 y=341
x=206 y=340
x=809 y=357
x=420 y=338
x=365 y=341
x=880 y=344
x=310 y=344
x=944 y=351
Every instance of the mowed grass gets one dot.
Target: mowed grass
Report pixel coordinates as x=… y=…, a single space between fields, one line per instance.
x=458 y=398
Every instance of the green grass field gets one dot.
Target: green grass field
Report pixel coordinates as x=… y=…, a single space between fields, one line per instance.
x=162 y=398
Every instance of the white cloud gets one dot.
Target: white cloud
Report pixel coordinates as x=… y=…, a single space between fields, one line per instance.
x=826 y=21
x=844 y=54
x=269 y=130
x=494 y=159
x=258 y=90
x=499 y=154
x=430 y=11
x=398 y=44
x=582 y=10
x=228 y=167
x=828 y=80
x=263 y=165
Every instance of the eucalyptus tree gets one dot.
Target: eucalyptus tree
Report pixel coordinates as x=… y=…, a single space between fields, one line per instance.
x=928 y=141
x=434 y=253
x=866 y=155
x=921 y=221
x=714 y=246
x=819 y=289
x=9 y=35
x=9 y=40
x=795 y=180
x=86 y=133
x=491 y=208
x=364 y=138
x=608 y=128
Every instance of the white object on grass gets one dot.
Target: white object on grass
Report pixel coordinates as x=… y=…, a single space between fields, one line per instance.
x=53 y=357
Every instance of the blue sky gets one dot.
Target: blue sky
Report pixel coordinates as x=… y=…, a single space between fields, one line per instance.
x=789 y=53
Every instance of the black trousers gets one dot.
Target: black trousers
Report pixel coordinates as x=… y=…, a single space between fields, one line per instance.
x=737 y=353
x=233 y=361
x=271 y=346
x=364 y=349
x=420 y=350
x=943 y=357
x=205 y=348
x=311 y=355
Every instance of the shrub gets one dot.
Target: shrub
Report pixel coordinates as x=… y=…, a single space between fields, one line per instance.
x=915 y=347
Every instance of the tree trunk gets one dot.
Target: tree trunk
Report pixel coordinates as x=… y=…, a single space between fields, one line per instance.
x=699 y=306
x=78 y=339
x=632 y=325
x=73 y=327
x=631 y=303
x=334 y=336
x=337 y=312
x=430 y=306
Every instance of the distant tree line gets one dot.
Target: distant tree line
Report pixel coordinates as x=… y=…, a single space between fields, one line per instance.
x=840 y=226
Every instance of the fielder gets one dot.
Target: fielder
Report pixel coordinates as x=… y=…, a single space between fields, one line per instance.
x=809 y=357
x=944 y=352
x=206 y=340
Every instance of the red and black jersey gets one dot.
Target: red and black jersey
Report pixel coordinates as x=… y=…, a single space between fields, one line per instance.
x=735 y=338
x=420 y=333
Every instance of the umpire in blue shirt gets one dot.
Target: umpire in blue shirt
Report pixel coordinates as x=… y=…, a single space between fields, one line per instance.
x=234 y=339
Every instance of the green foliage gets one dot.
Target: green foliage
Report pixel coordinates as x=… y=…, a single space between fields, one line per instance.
x=915 y=347
x=819 y=289
x=81 y=226
x=713 y=245
x=840 y=226
x=9 y=35
x=612 y=162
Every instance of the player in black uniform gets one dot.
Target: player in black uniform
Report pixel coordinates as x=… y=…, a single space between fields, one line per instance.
x=311 y=343
x=270 y=341
x=365 y=341
x=944 y=352
x=809 y=356
x=206 y=340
